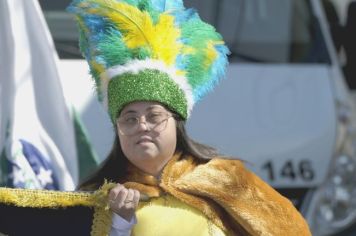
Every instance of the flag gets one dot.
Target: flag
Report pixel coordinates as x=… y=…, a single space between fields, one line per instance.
x=28 y=160
x=44 y=212
x=39 y=135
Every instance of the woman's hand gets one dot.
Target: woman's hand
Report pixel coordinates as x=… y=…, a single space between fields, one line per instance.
x=124 y=201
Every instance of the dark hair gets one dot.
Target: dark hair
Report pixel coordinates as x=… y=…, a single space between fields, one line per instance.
x=114 y=167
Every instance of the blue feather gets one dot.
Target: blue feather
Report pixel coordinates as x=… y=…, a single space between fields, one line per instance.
x=94 y=24
x=180 y=62
x=99 y=59
x=182 y=16
x=200 y=91
x=217 y=72
x=72 y=5
x=131 y=2
x=167 y=5
x=220 y=63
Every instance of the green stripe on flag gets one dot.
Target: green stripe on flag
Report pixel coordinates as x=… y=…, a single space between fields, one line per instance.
x=4 y=163
x=3 y=169
x=87 y=157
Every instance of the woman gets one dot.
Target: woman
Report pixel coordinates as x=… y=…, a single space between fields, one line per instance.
x=152 y=60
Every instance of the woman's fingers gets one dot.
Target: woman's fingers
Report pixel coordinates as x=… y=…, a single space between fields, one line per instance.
x=136 y=197
x=121 y=197
x=114 y=192
x=124 y=201
x=129 y=196
x=116 y=196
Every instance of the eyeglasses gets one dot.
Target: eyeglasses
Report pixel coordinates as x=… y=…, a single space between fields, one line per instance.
x=154 y=121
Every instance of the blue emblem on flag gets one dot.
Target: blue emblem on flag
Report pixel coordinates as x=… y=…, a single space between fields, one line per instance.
x=30 y=169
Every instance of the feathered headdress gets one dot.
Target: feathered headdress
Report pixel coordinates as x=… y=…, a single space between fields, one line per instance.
x=149 y=50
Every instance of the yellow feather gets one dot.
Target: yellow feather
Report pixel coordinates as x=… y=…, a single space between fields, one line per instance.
x=211 y=54
x=181 y=72
x=188 y=50
x=164 y=41
x=97 y=67
x=82 y=25
x=131 y=21
x=138 y=29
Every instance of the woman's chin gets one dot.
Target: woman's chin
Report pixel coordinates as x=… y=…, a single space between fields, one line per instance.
x=147 y=153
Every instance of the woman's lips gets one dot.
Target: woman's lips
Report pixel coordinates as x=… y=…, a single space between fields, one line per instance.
x=144 y=140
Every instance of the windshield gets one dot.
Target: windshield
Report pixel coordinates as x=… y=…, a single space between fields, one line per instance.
x=268 y=31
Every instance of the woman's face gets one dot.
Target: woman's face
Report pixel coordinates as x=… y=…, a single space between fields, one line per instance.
x=147 y=133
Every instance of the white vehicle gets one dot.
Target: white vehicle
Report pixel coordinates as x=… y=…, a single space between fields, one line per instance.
x=284 y=108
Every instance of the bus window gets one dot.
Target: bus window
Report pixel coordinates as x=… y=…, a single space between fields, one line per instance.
x=270 y=31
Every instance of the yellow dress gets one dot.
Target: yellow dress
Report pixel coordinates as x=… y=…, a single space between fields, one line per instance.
x=190 y=198
x=167 y=215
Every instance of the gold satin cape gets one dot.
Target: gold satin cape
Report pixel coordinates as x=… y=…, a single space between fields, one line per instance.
x=232 y=197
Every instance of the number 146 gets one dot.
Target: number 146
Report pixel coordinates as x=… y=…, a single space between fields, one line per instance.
x=290 y=170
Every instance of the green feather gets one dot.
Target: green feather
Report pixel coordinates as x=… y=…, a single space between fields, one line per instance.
x=141 y=53
x=85 y=49
x=146 y=5
x=198 y=35
x=113 y=50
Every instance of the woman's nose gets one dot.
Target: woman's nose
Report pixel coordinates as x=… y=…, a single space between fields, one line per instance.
x=142 y=125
